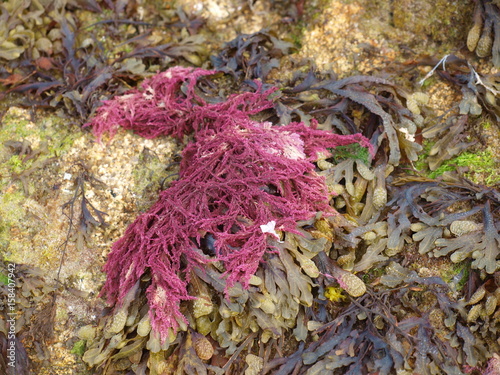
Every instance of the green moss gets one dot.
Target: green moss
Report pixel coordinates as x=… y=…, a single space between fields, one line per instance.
x=486 y=125
x=4 y=279
x=429 y=82
x=14 y=124
x=79 y=348
x=297 y=34
x=22 y=200
x=481 y=166
x=421 y=163
x=16 y=164
x=352 y=151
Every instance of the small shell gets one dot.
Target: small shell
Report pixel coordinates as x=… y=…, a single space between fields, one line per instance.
x=474 y=313
x=203 y=347
x=461 y=227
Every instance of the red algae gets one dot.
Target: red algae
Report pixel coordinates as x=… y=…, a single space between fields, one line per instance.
x=240 y=182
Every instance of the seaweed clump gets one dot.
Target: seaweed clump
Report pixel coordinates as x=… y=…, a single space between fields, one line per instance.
x=241 y=184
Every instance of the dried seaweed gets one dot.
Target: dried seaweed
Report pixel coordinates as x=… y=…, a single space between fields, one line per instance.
x=82 y=215
x=34 y=313
x=382 y=104
x=383 y=342
x=251 y=56
x=389 y=329
x=483 y=246
x=71 y=67
x=450 y=135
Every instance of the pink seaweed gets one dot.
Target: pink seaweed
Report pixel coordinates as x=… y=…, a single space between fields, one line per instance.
x=237 y=176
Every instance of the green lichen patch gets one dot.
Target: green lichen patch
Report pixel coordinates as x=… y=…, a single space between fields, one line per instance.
x=27 y=148
x=30 y=179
